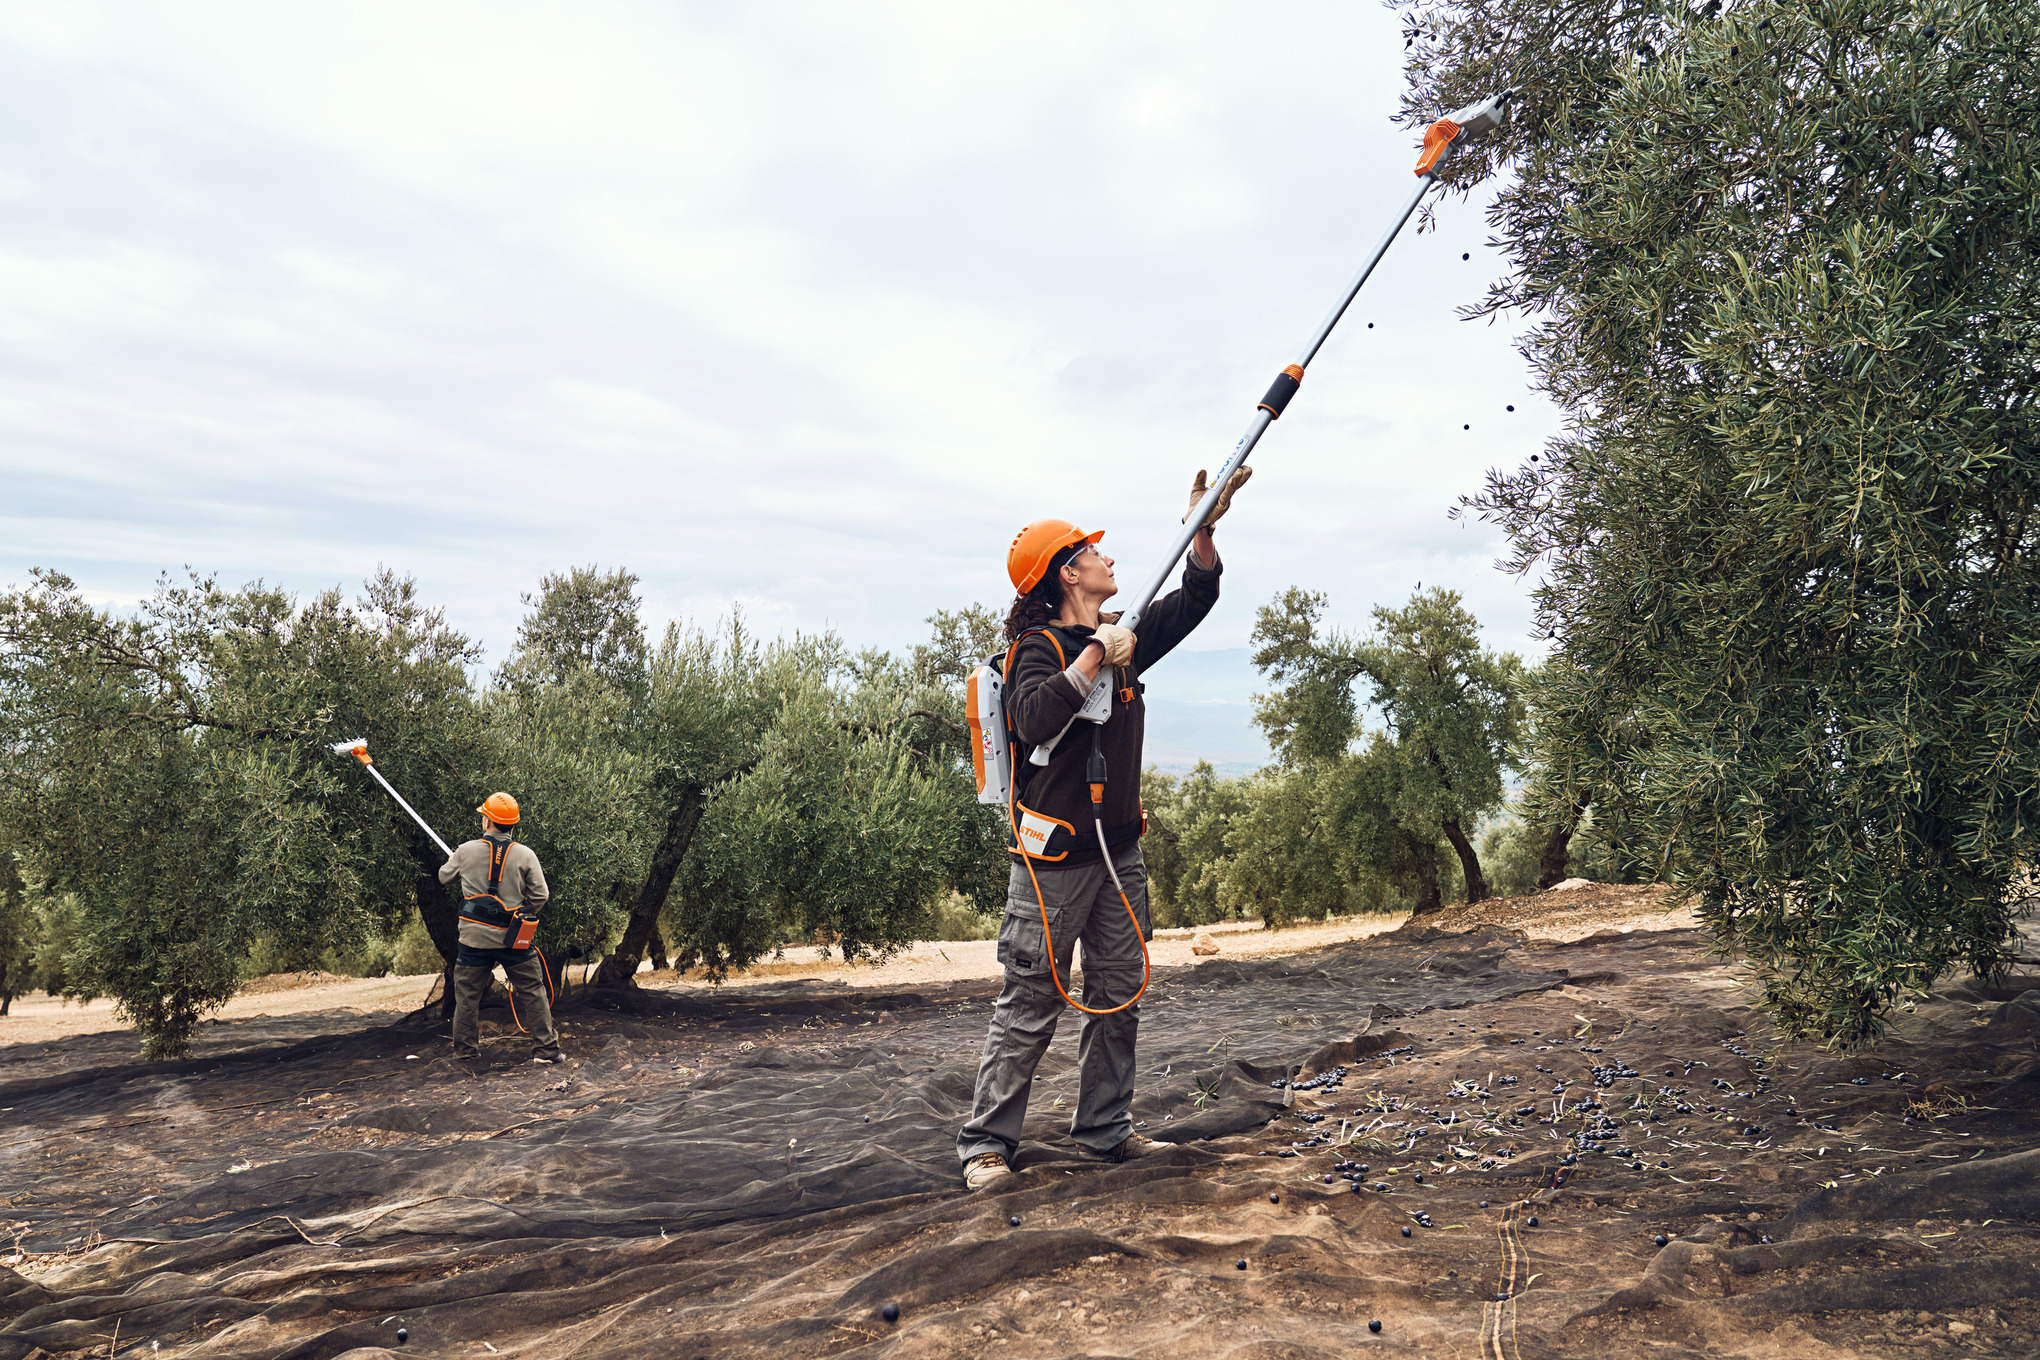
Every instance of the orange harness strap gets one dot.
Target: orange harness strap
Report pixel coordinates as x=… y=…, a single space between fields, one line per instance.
x=524 y=930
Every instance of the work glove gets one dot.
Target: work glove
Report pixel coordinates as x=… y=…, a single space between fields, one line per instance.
x=1117 y=642
x=1200 y=486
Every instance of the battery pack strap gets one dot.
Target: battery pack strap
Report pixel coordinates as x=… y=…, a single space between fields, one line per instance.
x=524 y=929
x=1062 y=661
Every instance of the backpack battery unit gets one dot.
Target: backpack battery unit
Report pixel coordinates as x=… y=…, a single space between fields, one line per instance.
x=991 y=752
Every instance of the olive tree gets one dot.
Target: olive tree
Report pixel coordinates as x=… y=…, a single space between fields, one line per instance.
x=855 y=812
x=21 y=932
x=1451 y=716
x=167 y=772
x=1191 y=823
x=1783 y=260
x=706 y=797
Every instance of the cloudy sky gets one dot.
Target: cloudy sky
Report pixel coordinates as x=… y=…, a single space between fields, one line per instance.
x=799 y=308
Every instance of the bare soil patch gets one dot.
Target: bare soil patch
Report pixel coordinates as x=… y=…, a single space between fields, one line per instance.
x=1579 y=912
x=36 y=1019
x=940 y=961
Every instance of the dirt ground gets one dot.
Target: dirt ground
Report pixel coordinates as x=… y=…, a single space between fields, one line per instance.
x=40 y=1019
x=1499 y=1138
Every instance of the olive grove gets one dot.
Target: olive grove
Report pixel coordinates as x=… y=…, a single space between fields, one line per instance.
x=168 y=801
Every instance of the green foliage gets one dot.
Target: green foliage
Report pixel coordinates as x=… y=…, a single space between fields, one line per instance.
x=565 y=751
x=412 y=951
x=955 y=917
x=37 y=933
x=1321 y=839
x=1285 y=846
x=1347 y=820
x=1509 y=851
x=1583 y=755
x=737 y=794
x=1189 y=837
x=179 y=822
x=168 y=773
x=960 y=641
x=20 y=933
x=1289 y=863
x=1451 y=713
x=60 y=921
x=1785 y=262
x=583 y=620
x=856 y=813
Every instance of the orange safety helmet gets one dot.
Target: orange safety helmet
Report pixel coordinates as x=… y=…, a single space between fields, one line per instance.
x=1036 y=545
x=499 y=808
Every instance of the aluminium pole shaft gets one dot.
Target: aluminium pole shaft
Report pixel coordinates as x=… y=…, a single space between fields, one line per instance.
x=1277 y=398
x=408 y=808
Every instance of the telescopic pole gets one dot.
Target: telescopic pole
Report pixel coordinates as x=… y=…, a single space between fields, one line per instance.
x=1444 y=136
x=359 y=750
x=1271 y=406
x=1441 y=139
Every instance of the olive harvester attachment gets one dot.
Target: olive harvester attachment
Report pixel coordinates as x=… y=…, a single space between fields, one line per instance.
x=358 y=748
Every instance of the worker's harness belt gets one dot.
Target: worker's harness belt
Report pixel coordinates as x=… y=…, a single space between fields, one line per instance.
x=1051 y=838
x=487 y=909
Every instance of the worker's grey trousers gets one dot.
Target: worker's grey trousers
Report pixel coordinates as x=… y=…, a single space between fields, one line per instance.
x=528 y=1003
x=1082 y=905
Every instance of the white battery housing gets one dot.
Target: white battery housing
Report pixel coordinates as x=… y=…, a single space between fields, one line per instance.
x=991 y=758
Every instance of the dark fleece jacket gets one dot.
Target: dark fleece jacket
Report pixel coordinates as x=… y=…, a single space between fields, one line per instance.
x=1039 y=699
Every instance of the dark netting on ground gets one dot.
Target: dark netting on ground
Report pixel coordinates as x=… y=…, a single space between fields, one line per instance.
x=762 y=1171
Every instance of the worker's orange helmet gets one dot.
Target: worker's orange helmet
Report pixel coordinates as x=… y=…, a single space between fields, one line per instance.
x=1036 y=545
x=499 y=808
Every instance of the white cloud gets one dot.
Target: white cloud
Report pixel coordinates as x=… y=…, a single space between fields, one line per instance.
x=799 y=307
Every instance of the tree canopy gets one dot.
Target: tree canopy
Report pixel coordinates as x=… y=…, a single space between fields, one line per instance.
x=1783 y=263
x=167 y=772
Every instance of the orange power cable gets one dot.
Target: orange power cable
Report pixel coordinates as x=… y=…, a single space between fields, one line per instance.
x=1012 y=802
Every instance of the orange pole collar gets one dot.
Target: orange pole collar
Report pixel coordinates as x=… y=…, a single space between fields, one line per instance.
x=1437 y=137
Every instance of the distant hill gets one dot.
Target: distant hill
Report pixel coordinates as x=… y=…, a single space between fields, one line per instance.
x=1200 y=706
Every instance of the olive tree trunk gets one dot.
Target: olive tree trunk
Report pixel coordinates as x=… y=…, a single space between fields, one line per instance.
x=1556 y=859
x=620 y=968
x=1469 y=862
x=1429 y=898
x=442 y=925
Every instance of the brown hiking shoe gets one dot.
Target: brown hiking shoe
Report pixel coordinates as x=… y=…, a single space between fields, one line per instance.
x=985 y=1170
x=1136 y=1145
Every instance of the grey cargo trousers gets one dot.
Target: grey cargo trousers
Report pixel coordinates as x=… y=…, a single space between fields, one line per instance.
x=529 y=1006
x=1082 y=905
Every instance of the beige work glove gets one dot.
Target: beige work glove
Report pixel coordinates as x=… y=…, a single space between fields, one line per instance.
x=1200 y=486
x=1117 y=642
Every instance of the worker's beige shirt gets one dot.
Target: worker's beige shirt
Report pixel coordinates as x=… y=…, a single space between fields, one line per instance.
x=522 y=888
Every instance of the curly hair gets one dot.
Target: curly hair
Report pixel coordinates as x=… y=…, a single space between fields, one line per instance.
x=1042 y=605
